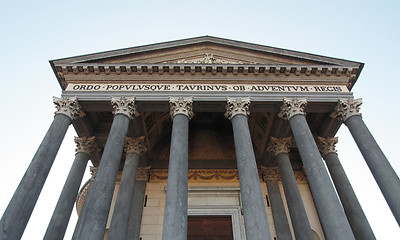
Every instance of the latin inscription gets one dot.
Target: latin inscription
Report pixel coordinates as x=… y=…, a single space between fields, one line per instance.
x=206 y=88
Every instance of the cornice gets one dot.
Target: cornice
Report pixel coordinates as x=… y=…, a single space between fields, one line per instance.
x=202 y=69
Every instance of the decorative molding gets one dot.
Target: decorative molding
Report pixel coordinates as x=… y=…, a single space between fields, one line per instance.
x=125 y=106
x=235 y=106
x=143 y=173
x=327 y=145
x=93 y=172
x=135 y=145
x=86 y=145
x=279 y=145
x=347 y=108
x=223 y=68
x=63 y=69
x=291 y=107
x=272 y=174
x=208 y=58
x=69 y=107
x=200 y=175
x=180 y=105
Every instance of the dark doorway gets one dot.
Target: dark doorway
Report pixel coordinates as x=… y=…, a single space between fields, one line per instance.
x=210 y=228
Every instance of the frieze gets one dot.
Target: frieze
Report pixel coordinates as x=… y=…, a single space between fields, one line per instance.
x=200 y=175
x=272 y=174
x=165 y=87
x=143 y=173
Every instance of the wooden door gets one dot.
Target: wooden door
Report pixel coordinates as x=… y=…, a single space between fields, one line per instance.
x=210 y=228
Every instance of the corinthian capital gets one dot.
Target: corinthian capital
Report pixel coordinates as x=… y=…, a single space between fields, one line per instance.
x=235 y=106
x=68 y=106
x=135 y=145
x=347 y=108
x=279 y=145
x=125 y=106
x=86 y=145
x=142 y=173
x=180 y=105
x=327 y=145
x=291 y=107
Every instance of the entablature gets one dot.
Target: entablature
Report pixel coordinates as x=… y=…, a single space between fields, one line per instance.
x=131 y=73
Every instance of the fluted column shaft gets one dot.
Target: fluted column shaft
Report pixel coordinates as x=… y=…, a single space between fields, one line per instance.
x=176 y=202
x=298 y=215
x=384 y=174
x=97 y=206
x=120 y=219
x=330 y=211
x=255 y=217
x=19 y=210
x=62 y=212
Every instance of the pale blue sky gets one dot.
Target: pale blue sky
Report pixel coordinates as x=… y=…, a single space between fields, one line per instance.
x=33 y=32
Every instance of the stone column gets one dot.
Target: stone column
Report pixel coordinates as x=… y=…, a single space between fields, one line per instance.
x=175 y=213
x=19 y=210
x=282 y=229
x=358 y=222
x=97 y=205
x=82 y=195
x=255 y=217
x=135 y=219
x=59 y=221
x=330 y=211
x=385 y=176
x=120 y=219
x=301 y=226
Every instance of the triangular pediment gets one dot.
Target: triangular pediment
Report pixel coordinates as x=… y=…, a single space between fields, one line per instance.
x=206 y=50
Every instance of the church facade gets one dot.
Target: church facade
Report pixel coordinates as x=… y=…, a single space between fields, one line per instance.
x=205 y=138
